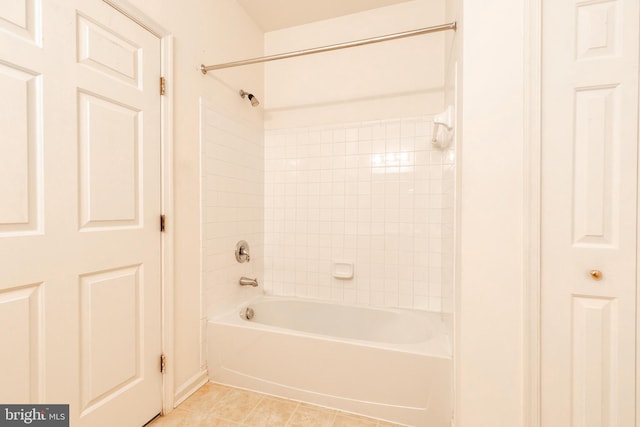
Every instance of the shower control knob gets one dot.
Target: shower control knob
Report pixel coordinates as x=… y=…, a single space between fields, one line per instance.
x=242 y=252
x=595 y=274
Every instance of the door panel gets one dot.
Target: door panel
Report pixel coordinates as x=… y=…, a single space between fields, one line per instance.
x=595 y=365
x=20 y=18
x=79 y=217
x=589 y=200
x=20 y=114
x=21 y=308
x=109 y=144
x=596 y=198
x=107 y=51
x=111 y=314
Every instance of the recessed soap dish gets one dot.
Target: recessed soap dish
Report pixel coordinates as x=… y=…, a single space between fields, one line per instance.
x=343 y=270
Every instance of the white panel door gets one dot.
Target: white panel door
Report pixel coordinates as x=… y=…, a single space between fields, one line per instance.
x=79 y=211
x=589 y=200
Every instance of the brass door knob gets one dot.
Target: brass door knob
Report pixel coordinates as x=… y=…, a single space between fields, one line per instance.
x=595 y=274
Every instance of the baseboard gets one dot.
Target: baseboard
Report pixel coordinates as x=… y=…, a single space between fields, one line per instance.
x=190 y=387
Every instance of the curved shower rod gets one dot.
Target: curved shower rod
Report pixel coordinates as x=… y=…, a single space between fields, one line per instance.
x=434 y=29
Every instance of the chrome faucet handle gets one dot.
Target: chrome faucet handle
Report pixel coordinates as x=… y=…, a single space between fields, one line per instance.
x=242 y=251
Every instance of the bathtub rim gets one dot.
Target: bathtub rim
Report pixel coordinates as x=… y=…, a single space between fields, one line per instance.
x=441 y=346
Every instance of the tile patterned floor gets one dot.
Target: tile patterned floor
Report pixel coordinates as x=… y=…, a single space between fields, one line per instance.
x=215 y=405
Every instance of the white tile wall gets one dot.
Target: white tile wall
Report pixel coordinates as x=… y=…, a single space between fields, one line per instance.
x=377 y=194
x=232 y=207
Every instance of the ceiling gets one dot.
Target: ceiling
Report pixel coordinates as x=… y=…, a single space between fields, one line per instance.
x=273 y=15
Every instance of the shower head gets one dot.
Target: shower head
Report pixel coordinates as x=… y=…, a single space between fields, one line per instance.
x=253 y=99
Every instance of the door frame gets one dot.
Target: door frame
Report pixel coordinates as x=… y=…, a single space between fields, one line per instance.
x=532 y=166
x=166 y=188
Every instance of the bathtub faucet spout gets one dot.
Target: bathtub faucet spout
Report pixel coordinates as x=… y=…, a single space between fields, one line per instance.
x=244 y=281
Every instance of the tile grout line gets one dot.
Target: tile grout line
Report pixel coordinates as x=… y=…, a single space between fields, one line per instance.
x=253 y=409
x=333 y=419
x=292 y=412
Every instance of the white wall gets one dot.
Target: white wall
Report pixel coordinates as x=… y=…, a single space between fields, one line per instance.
x=202 y=31
x=396 y=79
x=488 y=357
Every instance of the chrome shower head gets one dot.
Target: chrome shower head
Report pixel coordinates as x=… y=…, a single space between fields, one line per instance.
x=253 y=99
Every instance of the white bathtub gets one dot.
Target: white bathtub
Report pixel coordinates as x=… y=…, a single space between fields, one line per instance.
x=389 y=364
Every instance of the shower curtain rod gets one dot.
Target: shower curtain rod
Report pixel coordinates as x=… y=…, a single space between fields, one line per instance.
x=434 y=29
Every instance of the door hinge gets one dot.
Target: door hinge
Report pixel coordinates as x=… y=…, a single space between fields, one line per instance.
x=163 y=363
x=163 y=86
x=163 y=221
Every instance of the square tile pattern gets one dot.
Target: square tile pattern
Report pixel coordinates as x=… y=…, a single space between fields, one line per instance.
x=378 y=194
x=216 y=405
x=232 y=206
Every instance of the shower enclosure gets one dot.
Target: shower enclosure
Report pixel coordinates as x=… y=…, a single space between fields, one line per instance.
x=343 y=170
